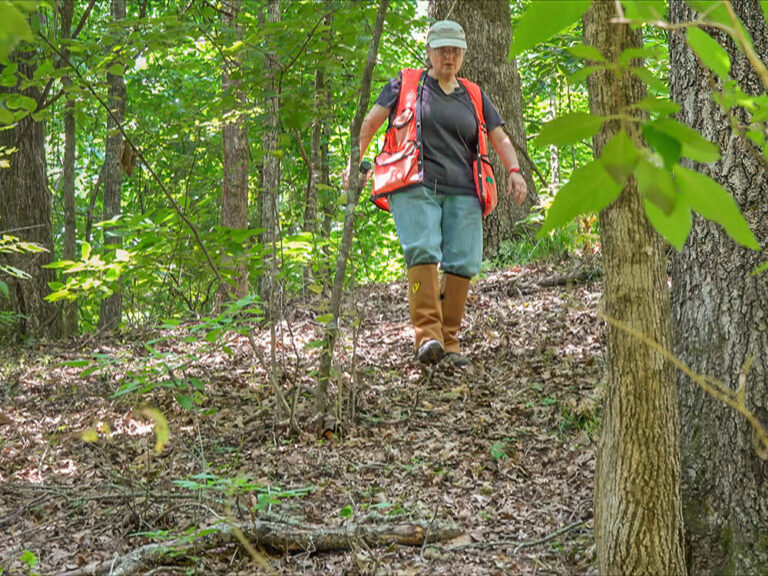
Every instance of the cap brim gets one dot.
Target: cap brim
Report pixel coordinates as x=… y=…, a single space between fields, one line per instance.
x=448 y=42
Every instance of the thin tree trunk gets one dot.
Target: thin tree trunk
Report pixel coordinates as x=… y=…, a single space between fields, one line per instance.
x=488 y=28
x=353 y=197
x=720 y=313
x=234 y=193
x=68 y=170
x=638 y=519
x=270 y=195
x=554 y=151
x=25 y=208
x=310 y=207
x=112 y=306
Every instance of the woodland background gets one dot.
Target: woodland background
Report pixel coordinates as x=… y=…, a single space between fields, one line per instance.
x=205 y=344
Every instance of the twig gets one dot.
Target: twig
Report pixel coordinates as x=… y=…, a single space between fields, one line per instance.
x=555 y=534
x=284 y=407
x=519 y=544
x=21 y=229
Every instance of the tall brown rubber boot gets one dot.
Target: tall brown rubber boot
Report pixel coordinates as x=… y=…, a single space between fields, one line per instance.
x=453 y=299
x=426 y=312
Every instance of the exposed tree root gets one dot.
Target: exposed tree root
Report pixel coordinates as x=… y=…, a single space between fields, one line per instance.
x=275 y=537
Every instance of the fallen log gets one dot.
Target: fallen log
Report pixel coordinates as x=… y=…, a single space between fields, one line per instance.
x=275 y=537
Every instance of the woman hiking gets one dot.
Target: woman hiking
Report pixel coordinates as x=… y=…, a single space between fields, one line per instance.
x=434 y=176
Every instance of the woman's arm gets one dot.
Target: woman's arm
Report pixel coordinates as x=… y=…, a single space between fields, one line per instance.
x=371 y=125
x=506 y=151
x=373 y=121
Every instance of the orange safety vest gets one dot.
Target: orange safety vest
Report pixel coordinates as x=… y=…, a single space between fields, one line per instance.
x=399 y=164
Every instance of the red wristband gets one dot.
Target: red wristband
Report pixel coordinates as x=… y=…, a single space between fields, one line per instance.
x=515 y=169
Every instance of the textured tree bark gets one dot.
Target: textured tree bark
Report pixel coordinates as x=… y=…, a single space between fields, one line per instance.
x=112 y=306
x=68 y=170
x=25 y=212
x=271 y=177
x=638 y=519
x=235 y=152
x=720 y=313
x=489 y=35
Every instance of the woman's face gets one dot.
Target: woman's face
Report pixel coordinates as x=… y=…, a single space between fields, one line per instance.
x=446 y=61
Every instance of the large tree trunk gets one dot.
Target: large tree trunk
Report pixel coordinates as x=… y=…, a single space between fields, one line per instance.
x=638 y=519
x=234 y=192
x=68 y=169
x=720 y=313
x=25 y=212
x=270 y=196
x=489 y=34
x=112 y=306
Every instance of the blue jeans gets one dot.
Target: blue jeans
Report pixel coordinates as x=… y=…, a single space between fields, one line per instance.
x=436 y=228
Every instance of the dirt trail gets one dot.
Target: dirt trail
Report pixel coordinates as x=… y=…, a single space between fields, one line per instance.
x=504 y=448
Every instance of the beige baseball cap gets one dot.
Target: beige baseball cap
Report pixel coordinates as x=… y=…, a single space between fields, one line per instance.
x=446 y=33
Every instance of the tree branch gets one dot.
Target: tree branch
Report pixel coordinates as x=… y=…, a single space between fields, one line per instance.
x=282 y=538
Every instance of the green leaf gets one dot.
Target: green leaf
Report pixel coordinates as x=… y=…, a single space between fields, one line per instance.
x=590 y=189
x=653 y=104
x=695 y=146
x=586 y=52
x=60 y=264
x=713 y=11
x=656 y=186
x=635 y=53
x=648 y=77
x=20 y=102
x=186 y=402
x=543 y=19
x=645 y=10
x=4 y=289
x=668 y=148
x=89 y=435
x=582 y=74
x=673 y=227
x=76 y=363
x=713 y=202
x=569 y=129
x=764 y=5
x=619 y=157
x=112 y=274
x=88 y=371
x=162 y=432
x=756 y=136
x=116 y=70
x=6 y=116
x=717 y=12
x=760 y=269
x=14 y=29
x=346 y=512
x=709 y=51
x=324 y=319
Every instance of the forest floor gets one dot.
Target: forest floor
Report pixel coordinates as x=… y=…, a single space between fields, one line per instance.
x=504 y=449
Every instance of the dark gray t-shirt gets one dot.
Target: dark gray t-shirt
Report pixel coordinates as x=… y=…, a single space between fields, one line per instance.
x=449 y=133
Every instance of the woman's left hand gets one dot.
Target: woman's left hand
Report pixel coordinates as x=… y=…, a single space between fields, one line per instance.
x=516 y=185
